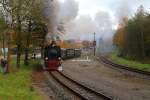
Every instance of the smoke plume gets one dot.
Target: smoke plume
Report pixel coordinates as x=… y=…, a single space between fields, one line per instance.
x=58 y=15
x=63 y=20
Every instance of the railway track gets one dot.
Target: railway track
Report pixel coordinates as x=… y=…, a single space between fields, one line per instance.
x=108 y=62
x=76 y=88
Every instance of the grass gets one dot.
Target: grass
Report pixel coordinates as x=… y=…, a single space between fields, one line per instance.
x=130 y=63
x=17 y=85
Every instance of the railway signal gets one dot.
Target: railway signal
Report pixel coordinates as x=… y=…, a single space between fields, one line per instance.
x=94 y=44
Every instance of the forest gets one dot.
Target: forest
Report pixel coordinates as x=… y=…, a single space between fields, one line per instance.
x=132 y=38
x=22 y=24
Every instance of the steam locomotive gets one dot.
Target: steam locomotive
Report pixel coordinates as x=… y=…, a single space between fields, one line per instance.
x=53 y=64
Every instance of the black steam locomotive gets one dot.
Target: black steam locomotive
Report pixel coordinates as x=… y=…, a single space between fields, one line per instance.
x=52 y=64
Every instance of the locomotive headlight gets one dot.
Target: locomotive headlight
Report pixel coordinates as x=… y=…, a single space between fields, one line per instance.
x=46 y=58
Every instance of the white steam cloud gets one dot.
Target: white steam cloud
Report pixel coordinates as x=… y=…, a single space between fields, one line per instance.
x=63 y=19
x=68 y=11
x=51 y=14
x=85 y=26
x=58 y=15
x=124 y=9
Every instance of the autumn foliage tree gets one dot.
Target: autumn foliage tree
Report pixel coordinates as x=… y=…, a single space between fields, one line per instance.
x=3 y=28
x=132 y=37
x=119 y=37
x=21 y=16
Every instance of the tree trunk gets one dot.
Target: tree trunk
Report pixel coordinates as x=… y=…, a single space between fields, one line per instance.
x=19 y=40
x=42 y=52
x=19 y=46
x=8 y=54
x=42 y=48
x=142 y=46
x=4 y=51
x=26 y=60
x=18 y=56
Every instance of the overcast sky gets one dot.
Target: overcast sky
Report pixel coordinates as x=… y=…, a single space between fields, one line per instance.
x=112 y=9
x=91 y=7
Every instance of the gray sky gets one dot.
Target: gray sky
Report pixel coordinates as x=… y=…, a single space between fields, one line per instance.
x=107 y=12
x=91 y=7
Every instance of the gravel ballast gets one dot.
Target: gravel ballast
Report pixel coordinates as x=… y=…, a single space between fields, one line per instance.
x=111 y=82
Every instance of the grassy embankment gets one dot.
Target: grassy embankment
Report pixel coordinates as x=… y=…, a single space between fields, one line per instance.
x=17 y=85
x=130 y=63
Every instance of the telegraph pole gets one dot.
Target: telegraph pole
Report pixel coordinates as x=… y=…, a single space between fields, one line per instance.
x=94 y=44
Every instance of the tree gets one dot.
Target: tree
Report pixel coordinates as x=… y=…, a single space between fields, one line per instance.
x=21 y=14
x=133 y=39
x=119 y=37
x=146 y=35
x=5 y=36
x=39 y=33
x=33 y=17
x=139 y=18
x=3 y=27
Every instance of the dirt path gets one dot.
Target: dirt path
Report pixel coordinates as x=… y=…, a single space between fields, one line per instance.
x=40 y=85
x=107 y=80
